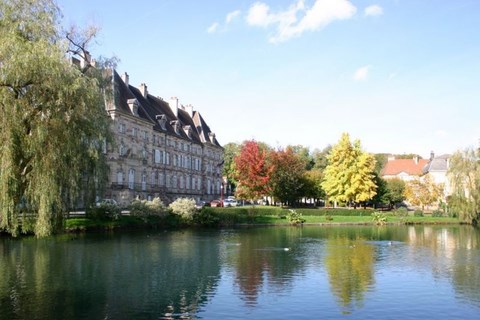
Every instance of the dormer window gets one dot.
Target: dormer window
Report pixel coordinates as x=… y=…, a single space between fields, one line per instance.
x=176 y=126
x=211 y=135
x=133 y=105
x=162 y=120
x=188 y=131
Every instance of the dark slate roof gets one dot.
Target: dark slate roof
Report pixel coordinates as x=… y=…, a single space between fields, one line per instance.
x=437 y=164
x=151 y=106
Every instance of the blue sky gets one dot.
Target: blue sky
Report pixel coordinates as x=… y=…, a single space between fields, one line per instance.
x=403 y=76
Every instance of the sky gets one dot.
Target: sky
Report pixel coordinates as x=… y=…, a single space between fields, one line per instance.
x=402 y=76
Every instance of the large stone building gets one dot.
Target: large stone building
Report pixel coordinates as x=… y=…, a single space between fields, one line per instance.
x=161 y=148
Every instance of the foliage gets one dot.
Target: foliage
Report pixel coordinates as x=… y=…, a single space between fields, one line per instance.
x=52 y=118
x=230 y=151
x=438 y=213
x=303 y=153
x=312 y=184
x=395 y=191
x=295 y=217
x=379 y=218
x=400 y=212
x=465 y=177
x=206 y=218
x=320 y=158
x=423 y=192
x=252 y=171
x=286 y=181
x=184 y=207
x=418 y=213
x=349 y=173
x=380 y=161
x=104 y=211
x=146 y=208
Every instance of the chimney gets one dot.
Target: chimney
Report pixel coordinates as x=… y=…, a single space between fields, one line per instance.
x=173 y=103
x=432 y=155
x=415 y=159
x=189 y=109
x=125 y=78
x=143 y=90
x=391 y=157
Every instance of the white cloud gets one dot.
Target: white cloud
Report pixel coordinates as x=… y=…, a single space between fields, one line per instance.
x=441 y=133
x=373 y=10
x=232 y=15
x=361 y=74
x=213 y=28
x=288 y=25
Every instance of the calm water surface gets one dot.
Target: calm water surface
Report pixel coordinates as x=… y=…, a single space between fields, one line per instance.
x=257 y=273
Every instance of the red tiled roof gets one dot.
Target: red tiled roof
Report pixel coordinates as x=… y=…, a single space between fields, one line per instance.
x=394 y=167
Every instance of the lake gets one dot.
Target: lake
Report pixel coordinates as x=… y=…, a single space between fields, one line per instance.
x=355 y=272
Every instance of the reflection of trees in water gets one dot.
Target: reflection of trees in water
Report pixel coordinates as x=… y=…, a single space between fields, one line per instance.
x=123 y=277
x=350 y=267
x=265 y=255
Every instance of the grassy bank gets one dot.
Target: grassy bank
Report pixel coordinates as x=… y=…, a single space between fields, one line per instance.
x=228 y=217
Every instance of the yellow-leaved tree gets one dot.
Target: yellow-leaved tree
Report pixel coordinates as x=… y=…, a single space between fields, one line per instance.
x=349 y=175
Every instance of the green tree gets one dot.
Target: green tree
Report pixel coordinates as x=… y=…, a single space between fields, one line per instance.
x=312 y=186
x=320 y=157
x=423 y=192
x=395 y=191
x=349 y=174
x=52 y=118
x=464 y=174
x=231 y=150
x=287 y=175
x=304 y=154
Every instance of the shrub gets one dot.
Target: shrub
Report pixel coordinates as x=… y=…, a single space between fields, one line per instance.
x=206 y=218
x=379 y=218
x=401 y=212
x=328 y=217
x=184 y=207
x=104 y=211
x=437 y=213
x=295 y=217
x=418 y=213
x=145 y=208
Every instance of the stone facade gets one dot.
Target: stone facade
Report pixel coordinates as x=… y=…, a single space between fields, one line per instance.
x=160 y=149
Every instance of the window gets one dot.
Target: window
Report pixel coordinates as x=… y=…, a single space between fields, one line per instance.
x=120 y=178
x=157 y=156
x=144 y=181
x=131 y=179
x=121 y=128
x=134 y=132
x=121 y=149
x=145 y=137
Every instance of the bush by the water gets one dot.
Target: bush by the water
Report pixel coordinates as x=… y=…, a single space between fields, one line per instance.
x=400 y=212
x=418 y=213
x=295 y=217
x=184 y=207
x=147 y=208
x=379 y=218
x=104 y=211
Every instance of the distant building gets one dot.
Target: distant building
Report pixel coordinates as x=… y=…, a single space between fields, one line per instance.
x=437 y=168
x=404 y=169
x=161 y=149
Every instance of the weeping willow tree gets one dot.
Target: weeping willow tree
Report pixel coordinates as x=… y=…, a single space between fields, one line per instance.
x=52 y=118
x=464 y=174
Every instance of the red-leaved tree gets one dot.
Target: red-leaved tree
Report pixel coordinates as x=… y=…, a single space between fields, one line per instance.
x=252 y=171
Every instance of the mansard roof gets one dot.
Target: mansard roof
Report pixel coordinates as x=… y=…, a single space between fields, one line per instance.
x=150 y=107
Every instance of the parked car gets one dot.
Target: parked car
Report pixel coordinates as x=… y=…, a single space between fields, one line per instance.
x=106 y=201
x=216 y=203
x=230 y=202
x=201 y=204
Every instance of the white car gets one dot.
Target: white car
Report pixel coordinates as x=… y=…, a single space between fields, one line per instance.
x=106 y=201
x=229 y=203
